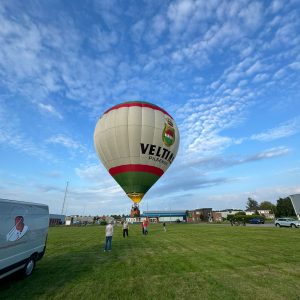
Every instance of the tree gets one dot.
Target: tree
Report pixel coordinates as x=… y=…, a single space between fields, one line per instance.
x=240 y=213
x=284 y=208
x=116 y=217
x=252 y=204
x=266 y=205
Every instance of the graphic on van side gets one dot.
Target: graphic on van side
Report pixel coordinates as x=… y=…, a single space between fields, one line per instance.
x=18 y=230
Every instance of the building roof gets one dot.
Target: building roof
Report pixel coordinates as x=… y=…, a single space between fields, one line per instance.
x=201 y=208
x=164 y=213
x=57 y=216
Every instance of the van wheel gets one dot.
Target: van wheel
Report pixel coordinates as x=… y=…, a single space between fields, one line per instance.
x=293 y=225
x=277 y=225
x=29 y=267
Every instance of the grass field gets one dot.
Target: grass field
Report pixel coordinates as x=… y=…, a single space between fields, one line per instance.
x=186 y=262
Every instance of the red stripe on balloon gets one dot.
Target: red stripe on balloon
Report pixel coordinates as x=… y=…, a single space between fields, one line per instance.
x=140 y=104
x=136 y=168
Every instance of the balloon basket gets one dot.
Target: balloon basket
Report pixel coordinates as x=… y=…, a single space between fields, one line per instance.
x=135 y=211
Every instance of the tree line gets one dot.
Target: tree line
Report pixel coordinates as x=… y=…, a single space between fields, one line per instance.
x=283 y=207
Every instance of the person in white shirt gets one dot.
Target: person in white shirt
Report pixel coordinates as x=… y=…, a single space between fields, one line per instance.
x=109 y=231
x=125 y=228
x=18 y=231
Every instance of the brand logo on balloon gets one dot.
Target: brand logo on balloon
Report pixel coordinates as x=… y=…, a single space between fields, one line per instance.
x=158 y=154
x=168 y=135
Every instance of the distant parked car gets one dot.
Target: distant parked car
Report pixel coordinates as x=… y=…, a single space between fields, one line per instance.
x=256 y=221
x=287 y=222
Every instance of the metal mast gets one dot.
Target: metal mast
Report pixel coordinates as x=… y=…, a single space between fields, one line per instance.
x=63 y=207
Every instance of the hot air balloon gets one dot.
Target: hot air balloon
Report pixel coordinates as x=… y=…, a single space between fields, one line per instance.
x=136 y=142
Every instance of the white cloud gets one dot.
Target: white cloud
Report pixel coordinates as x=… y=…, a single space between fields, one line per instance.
x=270 y=153
x=245 y=52
x=52 y=174
x=179 y=13
x=92 y=173
x=224 y=34
x=159 y=25
x=12 y=135
x=286 y=129
x=276 y=5
x=256 y=67
x=226 y=9
x=227 y=103
x=279 y=74
x=50 y=109
x=65 y=141
x=295 y=65
x=218 y=161
x=208 y=143
x=137 y=31
x=234 y=76
x=287 y=34
x=19 y=44
x=198 y=51
x=238 y=199
x=103 y=40
x=252 y=15
x=261 y=77
x=200 y=133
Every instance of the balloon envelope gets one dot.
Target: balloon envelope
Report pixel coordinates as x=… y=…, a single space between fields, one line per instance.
x=136 y=142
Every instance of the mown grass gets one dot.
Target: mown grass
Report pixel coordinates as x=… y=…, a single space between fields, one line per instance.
x=186 y=262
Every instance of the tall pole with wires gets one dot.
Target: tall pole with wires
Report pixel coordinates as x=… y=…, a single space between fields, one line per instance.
x=64 y=203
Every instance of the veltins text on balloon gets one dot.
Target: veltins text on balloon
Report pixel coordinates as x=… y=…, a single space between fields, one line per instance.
x=157 y=153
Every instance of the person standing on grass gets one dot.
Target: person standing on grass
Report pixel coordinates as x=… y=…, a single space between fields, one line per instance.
x=165 y=228
x=145 y=226
x=125 y=228
x=109 y=231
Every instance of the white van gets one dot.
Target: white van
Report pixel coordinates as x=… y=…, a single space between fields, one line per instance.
x=23 y=235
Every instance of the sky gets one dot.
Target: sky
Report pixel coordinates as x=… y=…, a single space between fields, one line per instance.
x=227 y=71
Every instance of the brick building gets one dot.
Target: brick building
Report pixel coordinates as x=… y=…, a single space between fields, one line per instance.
x=199 y=215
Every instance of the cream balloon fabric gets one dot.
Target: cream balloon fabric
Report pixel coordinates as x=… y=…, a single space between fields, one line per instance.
x=136 y=142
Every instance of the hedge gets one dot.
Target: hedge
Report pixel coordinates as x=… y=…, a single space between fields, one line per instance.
x=242 y=218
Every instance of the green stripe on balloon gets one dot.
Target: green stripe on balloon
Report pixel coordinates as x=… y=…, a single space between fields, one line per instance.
x=136 y=182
